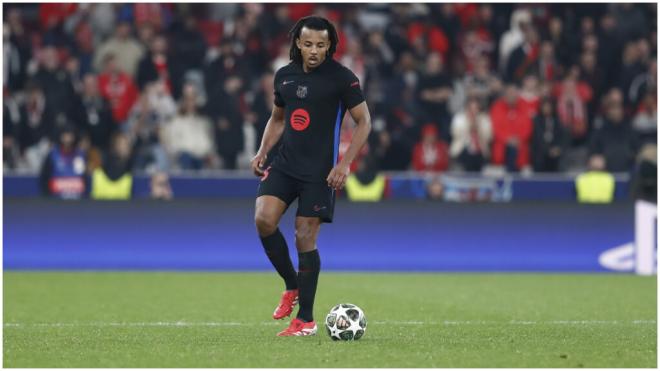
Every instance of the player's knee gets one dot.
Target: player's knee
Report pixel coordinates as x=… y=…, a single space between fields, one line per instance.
x=265 y=225
x=305 y=236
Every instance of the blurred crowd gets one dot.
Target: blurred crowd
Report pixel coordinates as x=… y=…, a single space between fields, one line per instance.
x=162 y=87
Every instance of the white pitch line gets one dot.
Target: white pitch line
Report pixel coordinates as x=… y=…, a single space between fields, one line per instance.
x=390 y=323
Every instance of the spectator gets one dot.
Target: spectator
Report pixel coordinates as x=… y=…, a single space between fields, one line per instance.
x=93 y=115
x=11 y=125
x=548 y=139
x=430 y=153
x=114 y=179
x=520 y=21
x=118 y=88
x=159 y=65
x=616 y=140
x=572 y=97
x=434 y=90
x=188 y=137
x=595 y=185
x=126 y=50
x=228 y=119
x=530 y=94
x=144 y=128
x=17 y=51
x=512 y=131
x=37 y=126
x=523 y=59
x=471 y=135
x=189 y=45
x=160 y=187
x=63 y=171
x=645 y=122
x=482 y=83
x=55 y=82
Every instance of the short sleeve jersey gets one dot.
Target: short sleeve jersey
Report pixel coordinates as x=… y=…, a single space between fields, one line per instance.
x=314 y=106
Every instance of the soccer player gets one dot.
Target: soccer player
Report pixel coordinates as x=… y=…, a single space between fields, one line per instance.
x=312 y=94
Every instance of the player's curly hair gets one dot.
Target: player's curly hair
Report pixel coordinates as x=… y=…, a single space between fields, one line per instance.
x=313 y=23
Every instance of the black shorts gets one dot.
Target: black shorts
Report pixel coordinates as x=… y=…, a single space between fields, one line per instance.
x=314 y=199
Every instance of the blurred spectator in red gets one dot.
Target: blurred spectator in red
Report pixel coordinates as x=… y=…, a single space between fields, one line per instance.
x=430 y=153
x=512 y=130
x=471 y=135
x=123 y=46
x=63 y=171
x=549 y=138
x=547 y=64
x=118 y=88
x=93 y=115
x=523 y=59
x=645 y=122
x=188 y=138
x=434 y=90
x=572 y=97
x=428 y=37
x=615 y=140
x=157 y=64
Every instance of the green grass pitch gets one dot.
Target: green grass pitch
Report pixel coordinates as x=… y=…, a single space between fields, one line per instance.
x=137 y=319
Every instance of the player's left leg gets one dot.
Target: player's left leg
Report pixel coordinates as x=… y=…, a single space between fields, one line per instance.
x=316 y=205
x=309 y=266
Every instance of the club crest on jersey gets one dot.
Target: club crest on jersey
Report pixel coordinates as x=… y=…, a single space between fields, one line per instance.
x=301 y=92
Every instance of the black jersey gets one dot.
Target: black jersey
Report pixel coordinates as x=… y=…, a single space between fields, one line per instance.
x=314 y=106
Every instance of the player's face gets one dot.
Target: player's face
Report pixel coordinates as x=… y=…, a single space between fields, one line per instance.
x=313 y=45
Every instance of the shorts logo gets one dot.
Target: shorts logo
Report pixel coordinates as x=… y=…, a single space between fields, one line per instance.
x=301 y=92
x=299 y=119
x=319 y=208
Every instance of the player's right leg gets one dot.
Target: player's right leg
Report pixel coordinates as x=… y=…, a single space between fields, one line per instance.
x=275 y=195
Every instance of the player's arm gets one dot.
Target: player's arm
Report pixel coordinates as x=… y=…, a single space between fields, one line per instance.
x=272 y=134
x=338 y=175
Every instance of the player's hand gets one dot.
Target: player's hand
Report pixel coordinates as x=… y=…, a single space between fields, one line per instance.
x=258 y=164
x=338 y=175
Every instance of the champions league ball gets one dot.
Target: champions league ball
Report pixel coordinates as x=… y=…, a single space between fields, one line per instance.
x=346 y=322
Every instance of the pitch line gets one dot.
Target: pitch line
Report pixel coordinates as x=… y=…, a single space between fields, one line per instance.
x=386 y=323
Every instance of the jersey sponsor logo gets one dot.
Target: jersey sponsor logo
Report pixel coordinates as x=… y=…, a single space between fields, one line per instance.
x=286 y=82
x=299 y=119
x=301 y=92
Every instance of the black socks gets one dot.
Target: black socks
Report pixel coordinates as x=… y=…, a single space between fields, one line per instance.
x=278 y=253
x=309 y=265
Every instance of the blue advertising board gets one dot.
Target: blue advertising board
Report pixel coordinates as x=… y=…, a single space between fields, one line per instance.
x=405 y=235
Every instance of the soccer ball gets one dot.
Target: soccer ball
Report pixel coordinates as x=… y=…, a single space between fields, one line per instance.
x=346 y=322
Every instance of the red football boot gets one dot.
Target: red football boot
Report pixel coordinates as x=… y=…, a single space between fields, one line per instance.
x=287 y=302
x=299 y=328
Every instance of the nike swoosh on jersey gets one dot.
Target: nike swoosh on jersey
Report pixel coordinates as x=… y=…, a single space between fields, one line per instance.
x=286 y=82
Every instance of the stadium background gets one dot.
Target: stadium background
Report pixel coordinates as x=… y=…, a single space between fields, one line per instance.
x=475 y=177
